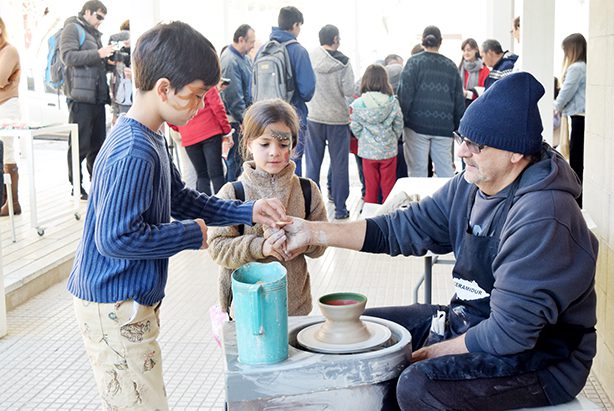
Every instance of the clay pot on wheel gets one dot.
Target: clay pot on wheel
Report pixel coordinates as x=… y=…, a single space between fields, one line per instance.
x=342 y=312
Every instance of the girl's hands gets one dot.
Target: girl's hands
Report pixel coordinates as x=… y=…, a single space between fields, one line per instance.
x=274 y=244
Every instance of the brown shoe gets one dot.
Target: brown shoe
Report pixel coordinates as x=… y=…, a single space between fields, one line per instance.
x=13 y=171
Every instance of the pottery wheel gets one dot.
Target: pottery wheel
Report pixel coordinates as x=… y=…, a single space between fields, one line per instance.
x=307 y=338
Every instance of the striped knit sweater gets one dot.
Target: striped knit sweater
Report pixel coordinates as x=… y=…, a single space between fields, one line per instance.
x=128 y=234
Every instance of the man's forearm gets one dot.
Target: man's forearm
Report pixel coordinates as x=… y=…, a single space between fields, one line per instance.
x=342 y=235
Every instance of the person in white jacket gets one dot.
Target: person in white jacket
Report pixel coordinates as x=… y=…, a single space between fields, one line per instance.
x=329 y=117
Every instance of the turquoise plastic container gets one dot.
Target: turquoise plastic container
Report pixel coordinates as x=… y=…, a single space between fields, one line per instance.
x=260 y=298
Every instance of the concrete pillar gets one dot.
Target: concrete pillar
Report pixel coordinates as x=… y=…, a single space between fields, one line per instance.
x=12 y=17
x=499 y=16
x=537 y=45
x=3 y=323
x=144 y=14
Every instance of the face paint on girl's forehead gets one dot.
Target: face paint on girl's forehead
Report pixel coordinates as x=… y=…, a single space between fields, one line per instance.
x=281 y=135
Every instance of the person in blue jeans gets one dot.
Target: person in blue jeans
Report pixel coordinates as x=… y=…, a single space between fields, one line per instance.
x=237 y=94
x=328 y=118
x=520 y=329
x=289 y=22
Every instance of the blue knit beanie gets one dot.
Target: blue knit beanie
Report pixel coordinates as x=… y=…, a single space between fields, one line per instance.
x=506 y=115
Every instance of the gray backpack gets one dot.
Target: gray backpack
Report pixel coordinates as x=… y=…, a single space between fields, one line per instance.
x=273 y=76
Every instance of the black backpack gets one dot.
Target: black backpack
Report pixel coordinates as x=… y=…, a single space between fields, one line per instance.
x=305 y=187
x=273 y=77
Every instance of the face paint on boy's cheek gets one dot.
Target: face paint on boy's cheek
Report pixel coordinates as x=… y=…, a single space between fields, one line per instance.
x=192 y=103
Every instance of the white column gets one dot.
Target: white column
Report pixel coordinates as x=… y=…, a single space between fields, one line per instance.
x=537 y=45
x=499 y=16
x=3 y=324
x=144 y=14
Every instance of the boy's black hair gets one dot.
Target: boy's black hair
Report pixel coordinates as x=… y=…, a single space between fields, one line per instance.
x=92 y=6
x=177 y=52
x=288 y=16
x=327 y=35
x=241 y=32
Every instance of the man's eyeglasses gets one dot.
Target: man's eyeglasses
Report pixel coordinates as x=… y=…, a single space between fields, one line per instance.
x=98 y=16
x=474 y=148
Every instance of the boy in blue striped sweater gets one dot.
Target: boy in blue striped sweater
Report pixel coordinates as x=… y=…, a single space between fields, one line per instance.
x=121 y=265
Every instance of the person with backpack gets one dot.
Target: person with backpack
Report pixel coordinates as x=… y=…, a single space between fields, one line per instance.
x=85 y=82
x=284 y=53
x=270 y=131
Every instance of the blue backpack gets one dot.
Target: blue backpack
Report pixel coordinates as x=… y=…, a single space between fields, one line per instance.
x=54 y=71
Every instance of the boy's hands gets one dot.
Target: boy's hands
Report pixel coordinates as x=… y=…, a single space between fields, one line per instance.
x=269 y=212
x=203 y=230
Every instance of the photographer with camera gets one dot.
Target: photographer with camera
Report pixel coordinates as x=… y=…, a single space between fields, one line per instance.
x=86 y=87
x=121 y=73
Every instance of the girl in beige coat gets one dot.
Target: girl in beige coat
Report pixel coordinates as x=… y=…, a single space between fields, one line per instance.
x=270 y=130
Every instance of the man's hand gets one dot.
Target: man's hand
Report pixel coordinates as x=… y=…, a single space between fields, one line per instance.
x=299 y=236
x=105 y=51
x=269 y=212
x=275 y=240
x=448 y=347
x=203 y=230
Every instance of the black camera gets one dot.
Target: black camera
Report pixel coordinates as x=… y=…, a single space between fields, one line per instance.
x=120 y=57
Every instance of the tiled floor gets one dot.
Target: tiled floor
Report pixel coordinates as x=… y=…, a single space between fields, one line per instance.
x=43 y=364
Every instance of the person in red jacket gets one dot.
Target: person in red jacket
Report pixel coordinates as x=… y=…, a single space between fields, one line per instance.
x=472 y=70
x=202 y=138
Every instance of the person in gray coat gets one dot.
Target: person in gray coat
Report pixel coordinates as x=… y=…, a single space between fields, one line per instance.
x=86 y=86
x=329 y=117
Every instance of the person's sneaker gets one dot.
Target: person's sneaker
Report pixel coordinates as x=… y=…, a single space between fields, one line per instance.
x=342 y=215
x=330 y=197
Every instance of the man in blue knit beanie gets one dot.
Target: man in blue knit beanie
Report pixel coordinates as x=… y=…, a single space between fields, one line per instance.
x=519 y=330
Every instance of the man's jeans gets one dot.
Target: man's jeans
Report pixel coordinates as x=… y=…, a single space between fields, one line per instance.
x=472 y=381
x=234 y=162
x=297 y=155
x=417 y=147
